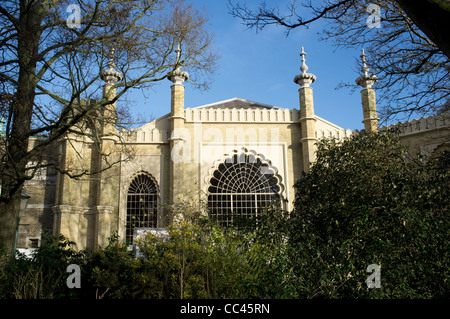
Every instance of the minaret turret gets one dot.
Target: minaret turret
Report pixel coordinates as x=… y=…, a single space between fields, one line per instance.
x=177 y=119
x=369 y=104
x=307 y=117
x=111 y=77
x=109 y=175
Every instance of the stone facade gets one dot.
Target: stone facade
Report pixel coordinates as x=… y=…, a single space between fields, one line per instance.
x=180 y=153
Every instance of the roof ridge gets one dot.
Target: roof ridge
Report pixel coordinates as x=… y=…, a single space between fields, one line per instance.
x=235 y=99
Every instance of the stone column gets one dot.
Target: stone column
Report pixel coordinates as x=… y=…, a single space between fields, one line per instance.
x=307 y=117
x=72 y=195
x=72 y=158
x=66 y=222
x=103 y=225
x=109 y=113
x=176 y=162
x=368 y=99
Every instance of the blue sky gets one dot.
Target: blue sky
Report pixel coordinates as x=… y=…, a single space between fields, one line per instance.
x=261 y=67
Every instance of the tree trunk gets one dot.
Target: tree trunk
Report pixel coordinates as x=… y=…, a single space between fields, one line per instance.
x=14 y=171
x=9 y=213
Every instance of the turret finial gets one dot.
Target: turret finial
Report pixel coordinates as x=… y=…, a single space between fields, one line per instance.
x=178 y=76
x=304 y=79
x=111 y=63
x=178 y=51
x=364 y=68
x=303 y=67
x=366 y=80
x=111 y=76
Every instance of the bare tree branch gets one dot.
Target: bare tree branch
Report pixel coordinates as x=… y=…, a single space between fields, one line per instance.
x=413 y=69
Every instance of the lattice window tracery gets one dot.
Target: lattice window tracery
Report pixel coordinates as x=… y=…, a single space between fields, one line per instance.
x=142 y=202
x=240 y=188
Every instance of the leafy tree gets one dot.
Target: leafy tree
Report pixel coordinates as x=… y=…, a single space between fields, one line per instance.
x=267 y=253
x=366 y=201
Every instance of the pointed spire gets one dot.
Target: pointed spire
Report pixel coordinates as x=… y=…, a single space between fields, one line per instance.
x=303 y=67
x=178 y=51
x=304 y=79
x=366 y=80
x=111 y=63
x=368 y=98
x=111 y=76
x=364 y=68
x=178 y=76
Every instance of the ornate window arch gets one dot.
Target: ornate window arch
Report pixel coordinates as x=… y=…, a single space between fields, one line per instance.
x=142 y=204
x=241 y=186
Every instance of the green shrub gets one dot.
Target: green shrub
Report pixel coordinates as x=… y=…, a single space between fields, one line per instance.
x=205 y=260
x=44 y=275
x=366 y=201
x=201 y=260
x=197 y=262
x=112 y=272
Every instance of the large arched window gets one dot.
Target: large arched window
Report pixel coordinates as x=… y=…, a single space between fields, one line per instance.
x=240 y=188
x=142 y=202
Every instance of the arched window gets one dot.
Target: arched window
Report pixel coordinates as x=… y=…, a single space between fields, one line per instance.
x=240 y=188
x=142 y=202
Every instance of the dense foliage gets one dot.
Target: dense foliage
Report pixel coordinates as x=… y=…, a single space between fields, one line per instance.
x=365 y=201
x=44 y=275
x=201 y=260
